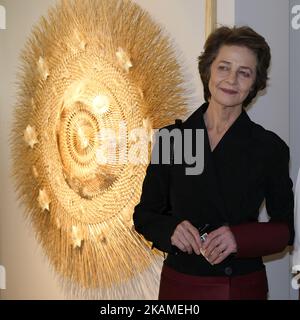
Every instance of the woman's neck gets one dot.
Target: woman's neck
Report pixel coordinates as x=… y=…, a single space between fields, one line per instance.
x=219 y=118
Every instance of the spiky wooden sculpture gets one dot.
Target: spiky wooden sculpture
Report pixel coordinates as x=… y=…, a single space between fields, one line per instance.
x=91 y=64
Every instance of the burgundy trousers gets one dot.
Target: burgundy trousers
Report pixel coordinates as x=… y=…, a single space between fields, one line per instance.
x=178 y=286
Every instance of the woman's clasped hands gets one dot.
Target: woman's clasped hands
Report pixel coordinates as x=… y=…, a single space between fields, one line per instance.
x=218 y=245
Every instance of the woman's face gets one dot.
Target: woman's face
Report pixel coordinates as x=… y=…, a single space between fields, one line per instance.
x=232 y=75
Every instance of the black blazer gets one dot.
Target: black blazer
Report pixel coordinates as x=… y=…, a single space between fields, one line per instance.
x=248 y=165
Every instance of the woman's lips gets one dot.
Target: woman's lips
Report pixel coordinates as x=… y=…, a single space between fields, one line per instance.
x=228 y=91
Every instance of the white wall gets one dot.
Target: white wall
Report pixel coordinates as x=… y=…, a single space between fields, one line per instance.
x=271 y=19
x=184 y=22
x=225 y=12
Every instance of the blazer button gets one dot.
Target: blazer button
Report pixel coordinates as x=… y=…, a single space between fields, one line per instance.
x=228 y=271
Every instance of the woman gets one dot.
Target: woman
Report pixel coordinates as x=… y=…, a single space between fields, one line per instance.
x=243 y=165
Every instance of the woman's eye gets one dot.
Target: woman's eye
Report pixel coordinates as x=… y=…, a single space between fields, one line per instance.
x=245 y=74
x=223 y=68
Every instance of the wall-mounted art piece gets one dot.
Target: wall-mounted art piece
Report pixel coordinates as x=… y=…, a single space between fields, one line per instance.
x=97 y=77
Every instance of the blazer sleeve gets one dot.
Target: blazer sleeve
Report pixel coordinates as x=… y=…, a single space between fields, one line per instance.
x=260 y=239
x=152 y=216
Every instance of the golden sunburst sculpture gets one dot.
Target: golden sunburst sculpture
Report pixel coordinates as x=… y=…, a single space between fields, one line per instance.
x=91 y=65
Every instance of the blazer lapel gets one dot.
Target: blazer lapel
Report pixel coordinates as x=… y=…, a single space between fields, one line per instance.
x=239 y=134
x=196 y=121
x=213 y=185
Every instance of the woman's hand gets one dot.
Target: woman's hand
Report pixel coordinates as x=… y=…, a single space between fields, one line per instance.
x=186 y=237
x=218 y=245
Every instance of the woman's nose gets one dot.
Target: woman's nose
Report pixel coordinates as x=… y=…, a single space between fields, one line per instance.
x=232 y=77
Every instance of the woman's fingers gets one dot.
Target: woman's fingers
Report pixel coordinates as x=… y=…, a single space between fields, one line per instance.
x=222 y=256
x=215 y=242
x=218 y=245
x=179 y=244
x=186 y=238
x=216 y=254
x=191 y=238
x=196 y=237
x=212 y=237
x=187 y=242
